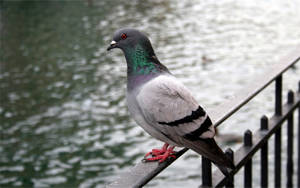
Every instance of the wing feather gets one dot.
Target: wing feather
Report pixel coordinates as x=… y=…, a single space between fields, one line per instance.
x=169 y=106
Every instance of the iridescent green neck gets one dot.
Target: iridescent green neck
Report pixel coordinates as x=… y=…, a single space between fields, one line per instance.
x=139 y=61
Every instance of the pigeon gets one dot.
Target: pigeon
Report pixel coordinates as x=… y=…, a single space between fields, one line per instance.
x=163 y=106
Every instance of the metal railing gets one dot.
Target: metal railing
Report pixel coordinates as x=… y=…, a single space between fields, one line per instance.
x=142 y=173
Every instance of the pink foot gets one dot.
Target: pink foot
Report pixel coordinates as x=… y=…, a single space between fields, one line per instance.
x=156 y=152
x=161 y=154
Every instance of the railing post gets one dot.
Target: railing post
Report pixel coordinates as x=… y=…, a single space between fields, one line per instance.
x=278 y=112
x=298 y=147
x=278 y=158
x=206 y=172
x=290 y=144
x=264 y=122
x=230 y=180
x=278 y=96
x=298 y=178
x=248 y=165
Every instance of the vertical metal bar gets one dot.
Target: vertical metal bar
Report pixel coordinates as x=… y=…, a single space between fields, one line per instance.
x=206 y=172
x=298 y=170
x=264 y=154
x=248 y=138
x=278 y=96
x=278 y=112
x=278 y=158
x=290 y=144
x=298 y=179
x=230 y=180
x=248 y=165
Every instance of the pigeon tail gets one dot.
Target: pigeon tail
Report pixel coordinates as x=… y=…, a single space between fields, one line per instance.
x=209 y=149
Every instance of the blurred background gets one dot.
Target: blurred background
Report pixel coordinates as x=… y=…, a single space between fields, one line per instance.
x=63 y=115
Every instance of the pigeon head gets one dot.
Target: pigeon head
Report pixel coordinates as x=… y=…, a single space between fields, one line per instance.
x=127 y=39
x=138 y=51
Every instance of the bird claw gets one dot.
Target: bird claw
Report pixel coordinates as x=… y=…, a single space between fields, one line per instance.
x=160 y=158
x=155 y=152
x=160 y=155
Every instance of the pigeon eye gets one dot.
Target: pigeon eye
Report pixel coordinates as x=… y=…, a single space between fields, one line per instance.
x=123 y=36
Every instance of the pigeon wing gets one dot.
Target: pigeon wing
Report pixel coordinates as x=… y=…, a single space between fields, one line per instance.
x=169 y=107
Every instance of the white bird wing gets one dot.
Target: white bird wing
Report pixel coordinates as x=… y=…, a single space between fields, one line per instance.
x=169 y=107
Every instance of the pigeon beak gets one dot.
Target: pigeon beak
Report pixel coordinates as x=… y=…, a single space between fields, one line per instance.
x=113 y=44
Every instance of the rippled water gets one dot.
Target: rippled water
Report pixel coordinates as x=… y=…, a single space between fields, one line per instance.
x=64 y=120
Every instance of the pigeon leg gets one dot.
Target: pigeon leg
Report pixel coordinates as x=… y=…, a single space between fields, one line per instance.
x=157 y=152
x=162 y=157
